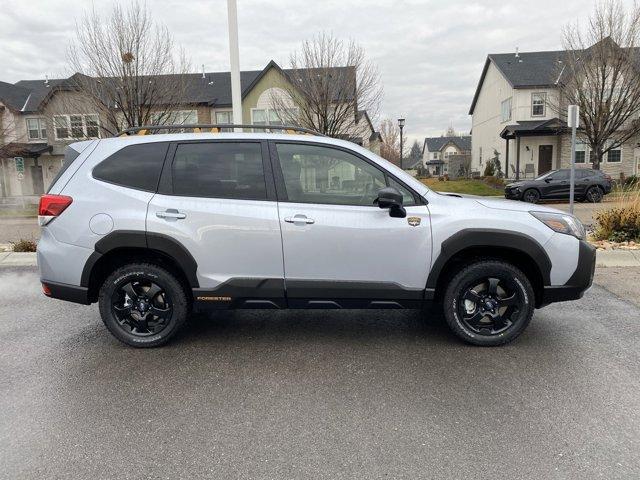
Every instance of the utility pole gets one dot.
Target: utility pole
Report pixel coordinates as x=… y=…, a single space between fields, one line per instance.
x=234 y=55
x=573 y=115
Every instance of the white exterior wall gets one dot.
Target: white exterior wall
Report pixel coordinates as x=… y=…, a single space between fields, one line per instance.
x=486 y=121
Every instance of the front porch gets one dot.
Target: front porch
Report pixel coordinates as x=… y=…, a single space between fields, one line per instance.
x=532 y=147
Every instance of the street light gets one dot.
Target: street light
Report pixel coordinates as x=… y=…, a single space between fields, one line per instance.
x=401 y=125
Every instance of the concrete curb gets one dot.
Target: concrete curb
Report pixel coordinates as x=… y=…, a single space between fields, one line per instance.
x=604 y=258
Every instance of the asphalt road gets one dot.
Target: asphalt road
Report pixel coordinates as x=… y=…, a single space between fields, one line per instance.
x=333 y=395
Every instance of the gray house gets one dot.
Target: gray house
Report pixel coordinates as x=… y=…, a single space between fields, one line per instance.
x=438 y=151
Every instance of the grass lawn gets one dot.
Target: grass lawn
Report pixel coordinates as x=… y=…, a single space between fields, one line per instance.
x=467 y=186
x=28 y=211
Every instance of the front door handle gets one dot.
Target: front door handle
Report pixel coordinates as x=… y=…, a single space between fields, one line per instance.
x=299 y=219
x=171 y=213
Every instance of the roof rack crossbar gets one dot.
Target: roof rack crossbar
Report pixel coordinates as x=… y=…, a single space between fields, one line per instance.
x=213 y=127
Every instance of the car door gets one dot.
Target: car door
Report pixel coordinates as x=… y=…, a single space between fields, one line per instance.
x=217 y=199
x=557 y=185
x=340 y=249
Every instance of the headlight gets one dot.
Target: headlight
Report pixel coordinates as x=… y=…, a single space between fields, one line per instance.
x=561 y=223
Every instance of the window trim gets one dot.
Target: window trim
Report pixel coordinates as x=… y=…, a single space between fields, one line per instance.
x=544 y=104
x=68 y=116
x=165 y=185
x=510 y=100
x=613 y=149
x=281 y=186
x=42 y=126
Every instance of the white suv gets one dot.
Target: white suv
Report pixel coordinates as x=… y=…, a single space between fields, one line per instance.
x=152 y=226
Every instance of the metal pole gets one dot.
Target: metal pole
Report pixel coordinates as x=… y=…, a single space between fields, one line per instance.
x=401 y=127
x=572 y=179
x=234 y=54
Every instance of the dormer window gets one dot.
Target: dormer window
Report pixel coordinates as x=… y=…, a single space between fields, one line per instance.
x=538 y=103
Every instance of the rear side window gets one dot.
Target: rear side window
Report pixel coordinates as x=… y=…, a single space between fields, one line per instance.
x=219 y=170
x=135 y=166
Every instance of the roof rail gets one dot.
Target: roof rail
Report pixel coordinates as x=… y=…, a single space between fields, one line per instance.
x=212 y=128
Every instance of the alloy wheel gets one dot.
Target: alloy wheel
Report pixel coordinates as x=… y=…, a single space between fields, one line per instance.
x=489 y=306
x=531 y=196
x=594 y=195
x=141 y=307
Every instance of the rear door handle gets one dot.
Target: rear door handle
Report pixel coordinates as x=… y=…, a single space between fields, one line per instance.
x=171 y=213
x=299 y=218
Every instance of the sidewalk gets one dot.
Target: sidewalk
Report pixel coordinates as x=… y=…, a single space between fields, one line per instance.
x=604 y=258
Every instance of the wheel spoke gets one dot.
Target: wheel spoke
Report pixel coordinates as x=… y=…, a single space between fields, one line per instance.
x=508 y=301
x=474 y=320
x=493 y=286
x=160 y=312
x=472 y=296
x=122 y=310
x=129 y=290
x=153 y=291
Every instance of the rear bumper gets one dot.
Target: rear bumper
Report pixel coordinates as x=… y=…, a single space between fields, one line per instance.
x=69 y=293
x=579 y=282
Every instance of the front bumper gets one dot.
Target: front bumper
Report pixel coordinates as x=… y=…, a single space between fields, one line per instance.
x=512 y=193
x=579 y=282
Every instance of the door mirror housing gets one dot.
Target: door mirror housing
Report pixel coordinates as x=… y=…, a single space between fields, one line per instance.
x=391 y=198
x=548 y=179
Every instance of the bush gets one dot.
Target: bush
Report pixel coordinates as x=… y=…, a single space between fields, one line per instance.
x=489 y=169
x=632 y=181
x=621 y=224
x=23 y=245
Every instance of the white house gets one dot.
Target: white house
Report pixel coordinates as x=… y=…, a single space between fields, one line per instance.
x=437 y=150
x=512 y=116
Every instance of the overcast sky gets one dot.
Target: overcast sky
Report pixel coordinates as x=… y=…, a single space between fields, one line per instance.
x=429 y=53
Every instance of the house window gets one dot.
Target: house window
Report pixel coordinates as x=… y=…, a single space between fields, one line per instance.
x=69 y=127
x=178 y=117
x=614 y=155
x=538 y=102
x=581 y=152
x=36 y=129
x=505 y=108
x=268 y=116
x=223 y=118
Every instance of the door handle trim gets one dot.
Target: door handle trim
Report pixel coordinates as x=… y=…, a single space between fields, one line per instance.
x=299 y=219
x=171 y=214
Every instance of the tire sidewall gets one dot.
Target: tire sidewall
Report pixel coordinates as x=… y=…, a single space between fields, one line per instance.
x=159 y=276
x=480 y=270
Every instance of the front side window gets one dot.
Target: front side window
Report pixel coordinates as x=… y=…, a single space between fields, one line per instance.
x=219 y=170
x=506 y=110
x=323 y=175
x=538 y=102
x=135 y=166
x=36 y=129
x=68 y=127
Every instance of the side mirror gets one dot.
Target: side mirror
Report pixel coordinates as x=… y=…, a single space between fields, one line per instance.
x=391 y=198
x=548 y=179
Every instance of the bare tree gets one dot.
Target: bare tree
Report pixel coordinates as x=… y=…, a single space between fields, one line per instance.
x=127 y=68
x=328 y=83
x=600 y=74
x=390 y=147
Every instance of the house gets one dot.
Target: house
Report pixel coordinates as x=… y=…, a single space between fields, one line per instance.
x=39 y=118
x=513 y=119
x=437 y=151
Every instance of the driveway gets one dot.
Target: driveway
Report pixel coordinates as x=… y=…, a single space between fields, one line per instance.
x=299 y=394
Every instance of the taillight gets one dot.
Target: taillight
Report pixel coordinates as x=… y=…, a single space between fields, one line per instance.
x=51 y=206
x=46 y=290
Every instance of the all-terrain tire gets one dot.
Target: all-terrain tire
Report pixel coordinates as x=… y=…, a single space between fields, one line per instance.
x=138 y=273
x=516 y=281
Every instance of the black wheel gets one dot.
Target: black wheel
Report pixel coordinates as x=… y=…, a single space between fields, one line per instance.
x=489 y=303
x=142 y=305
x=594 y=195
x=532 y=195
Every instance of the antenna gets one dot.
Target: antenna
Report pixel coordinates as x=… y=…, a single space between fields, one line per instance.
x=517 y=54
x=46 y=80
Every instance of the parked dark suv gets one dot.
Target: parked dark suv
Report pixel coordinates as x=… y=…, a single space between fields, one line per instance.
x=590 y=185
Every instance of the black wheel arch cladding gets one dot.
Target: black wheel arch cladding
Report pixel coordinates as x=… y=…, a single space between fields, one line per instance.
x=494 y=238
x=154 y=242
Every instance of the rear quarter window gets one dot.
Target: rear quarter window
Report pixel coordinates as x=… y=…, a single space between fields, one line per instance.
x=136 y=166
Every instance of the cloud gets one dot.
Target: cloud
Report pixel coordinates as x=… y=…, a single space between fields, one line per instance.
x=429 y=53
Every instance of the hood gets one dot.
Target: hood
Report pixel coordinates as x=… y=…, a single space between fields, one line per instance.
x=514 y=205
